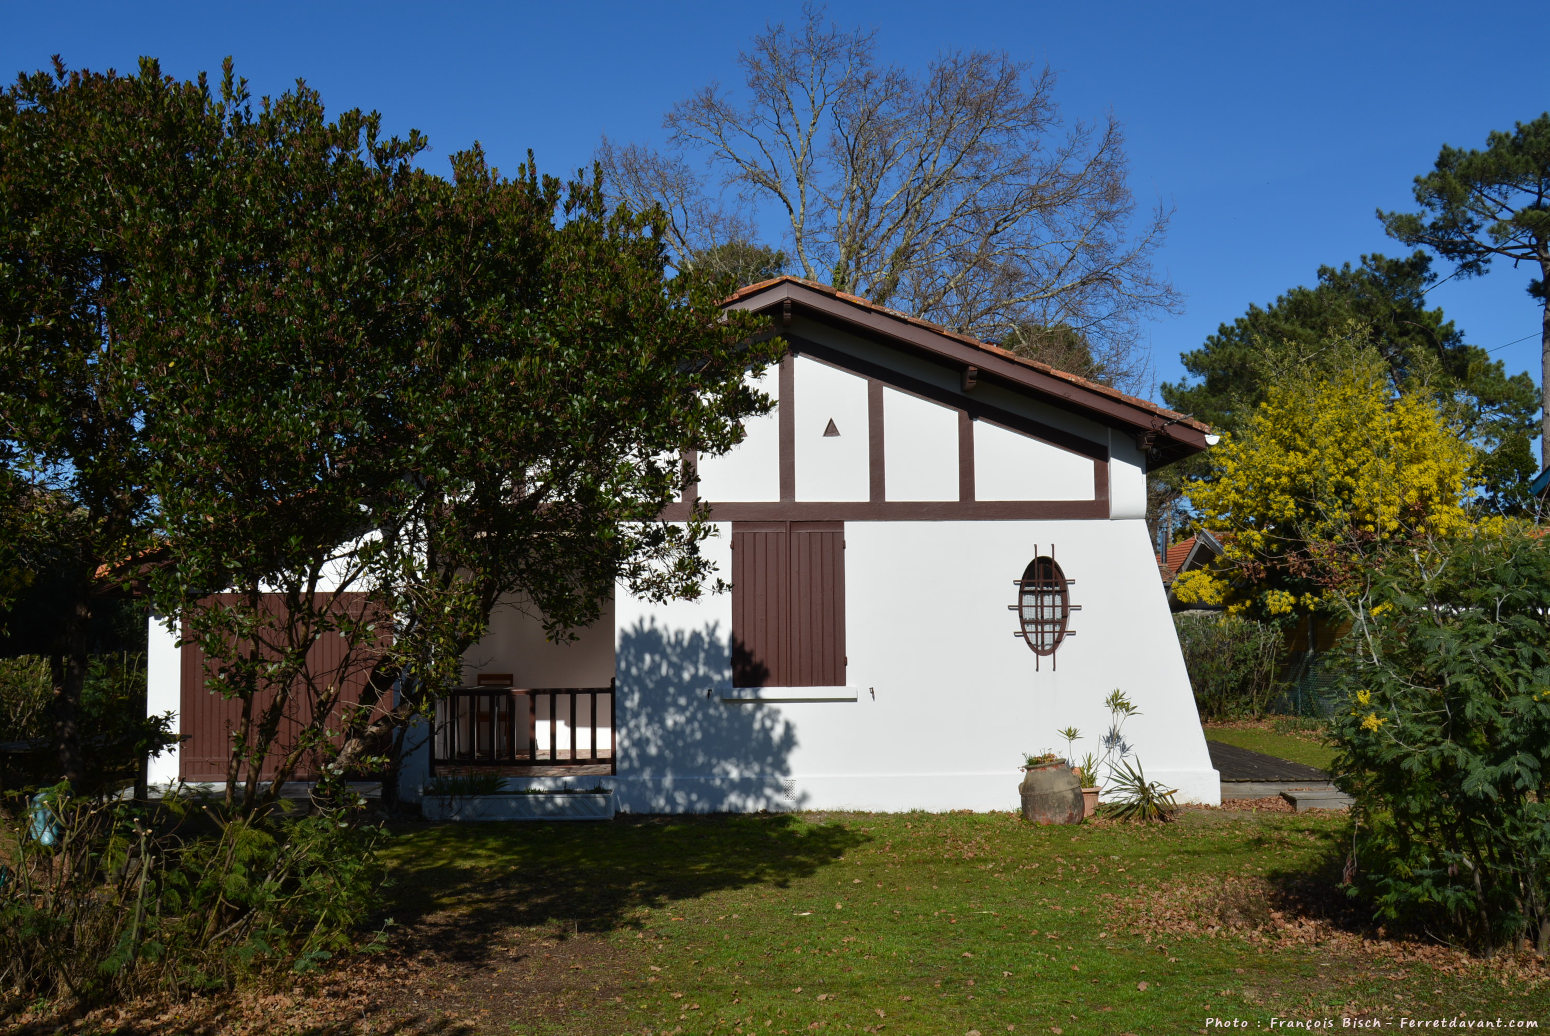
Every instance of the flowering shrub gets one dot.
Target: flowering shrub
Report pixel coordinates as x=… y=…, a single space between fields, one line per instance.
x=1330 y=469
x=1444 y=737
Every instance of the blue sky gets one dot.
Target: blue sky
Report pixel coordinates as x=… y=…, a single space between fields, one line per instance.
x=1274 y=130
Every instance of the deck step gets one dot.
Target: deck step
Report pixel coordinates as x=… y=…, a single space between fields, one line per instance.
x=1304 y=795
x=1328 y=797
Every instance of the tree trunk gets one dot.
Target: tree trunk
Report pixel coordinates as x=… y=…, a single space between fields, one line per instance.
x=1544 y=373
x=67 y=668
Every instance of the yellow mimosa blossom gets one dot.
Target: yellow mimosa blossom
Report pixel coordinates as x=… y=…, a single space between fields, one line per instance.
x=1373 y=722
x=1279 y=602
x=1330 y=466
x=1364 y=697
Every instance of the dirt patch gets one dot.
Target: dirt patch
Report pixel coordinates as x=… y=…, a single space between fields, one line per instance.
x=519 y=978
x=430 y=985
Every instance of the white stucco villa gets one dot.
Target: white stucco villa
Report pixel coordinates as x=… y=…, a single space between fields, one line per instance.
x=938 y=558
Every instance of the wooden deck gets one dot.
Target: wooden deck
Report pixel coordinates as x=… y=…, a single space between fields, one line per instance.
x=1255 y=775
x=1240 y=764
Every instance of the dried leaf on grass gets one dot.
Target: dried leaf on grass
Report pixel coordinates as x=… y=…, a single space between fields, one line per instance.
x=1261 y=912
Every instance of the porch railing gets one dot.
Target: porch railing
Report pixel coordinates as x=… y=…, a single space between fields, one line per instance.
x=516 y=726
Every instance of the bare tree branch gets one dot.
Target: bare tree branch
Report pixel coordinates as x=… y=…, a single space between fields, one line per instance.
x=956 y=195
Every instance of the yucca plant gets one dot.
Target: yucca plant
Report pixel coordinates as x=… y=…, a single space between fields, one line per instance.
x=1137 y=798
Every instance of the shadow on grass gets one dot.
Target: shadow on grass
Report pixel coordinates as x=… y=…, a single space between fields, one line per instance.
x=1313 y=889
x=575 y=878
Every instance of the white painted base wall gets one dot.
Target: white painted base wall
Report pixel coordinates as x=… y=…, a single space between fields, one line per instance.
x=951 y=697
x=163 y=693
x=940 y=700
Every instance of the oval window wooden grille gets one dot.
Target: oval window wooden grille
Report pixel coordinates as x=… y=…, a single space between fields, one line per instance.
x=1043 y=605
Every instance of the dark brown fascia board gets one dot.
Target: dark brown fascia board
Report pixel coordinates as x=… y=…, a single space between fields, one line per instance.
x=1173 y=439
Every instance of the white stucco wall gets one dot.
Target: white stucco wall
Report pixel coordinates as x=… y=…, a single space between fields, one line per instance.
x=516 y=644
x=751 y=469
x=941 y=699
x=163 y=693
x=1127 y=477
x=1011 y=466
x=920 y=448
x=832 y=467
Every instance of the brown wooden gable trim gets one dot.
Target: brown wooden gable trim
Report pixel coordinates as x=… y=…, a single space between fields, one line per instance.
x=965 y=457
x=876 y=507
x=969 y=410
x=950 y=398
x=1173 y=435
x=893 y=510
x=786 y=414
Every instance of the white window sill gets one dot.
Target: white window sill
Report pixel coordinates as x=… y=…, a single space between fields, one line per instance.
x=742 y=694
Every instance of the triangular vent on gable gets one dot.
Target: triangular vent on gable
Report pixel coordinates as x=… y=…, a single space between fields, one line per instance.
x=830 y=429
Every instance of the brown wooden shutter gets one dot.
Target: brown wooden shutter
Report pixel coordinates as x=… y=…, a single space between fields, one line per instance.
x=788 y=604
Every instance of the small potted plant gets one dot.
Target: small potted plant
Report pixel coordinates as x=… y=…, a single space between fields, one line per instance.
x=1086 y=771
x=1087 y=776
x=1050 y=792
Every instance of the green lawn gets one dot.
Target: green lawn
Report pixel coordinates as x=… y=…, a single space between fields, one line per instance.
x=926 y=923
x=1300 y=746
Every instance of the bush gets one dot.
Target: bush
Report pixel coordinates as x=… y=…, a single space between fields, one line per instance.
x=1137 y=798
x=179 y=896
x=25 y=690
x=1444 y=739
x=1232 y=663
x=118 y=734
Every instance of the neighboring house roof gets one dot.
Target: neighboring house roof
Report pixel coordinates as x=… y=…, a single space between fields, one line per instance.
x=1177 y=552
x=1186 y=555
x=1541 y=483
x=1164 y=434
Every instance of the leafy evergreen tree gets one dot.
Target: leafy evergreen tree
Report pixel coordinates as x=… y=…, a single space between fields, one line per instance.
x=255 y=349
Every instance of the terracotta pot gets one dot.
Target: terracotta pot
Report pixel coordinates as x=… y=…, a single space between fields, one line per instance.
x=1051 y=794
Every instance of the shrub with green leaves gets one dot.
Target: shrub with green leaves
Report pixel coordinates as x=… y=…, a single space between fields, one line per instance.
x=1444 y=738
x=111 y=710
x=24 y=694
x=178 y=895
x=1137 y=798
x=1231 y=662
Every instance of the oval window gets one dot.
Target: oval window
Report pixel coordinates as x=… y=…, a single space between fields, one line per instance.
x=1043 y=605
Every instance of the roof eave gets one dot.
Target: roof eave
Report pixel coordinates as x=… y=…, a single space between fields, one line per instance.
x=1163 y=435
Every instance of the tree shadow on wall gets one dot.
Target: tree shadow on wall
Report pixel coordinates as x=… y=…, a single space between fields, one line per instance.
x=689 y=750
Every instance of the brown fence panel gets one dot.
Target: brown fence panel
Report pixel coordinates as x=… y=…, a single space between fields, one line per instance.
x=208 y=719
